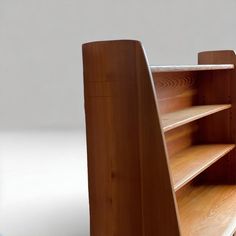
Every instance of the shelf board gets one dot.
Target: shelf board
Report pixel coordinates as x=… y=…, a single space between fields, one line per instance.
x=176 y=68
x=181 y=117
x=192 y=161
x=208 y=210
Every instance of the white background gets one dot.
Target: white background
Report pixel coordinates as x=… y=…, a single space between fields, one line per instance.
x=43 y=179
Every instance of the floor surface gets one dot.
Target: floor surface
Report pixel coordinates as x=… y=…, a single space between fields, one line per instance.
x=43 y=184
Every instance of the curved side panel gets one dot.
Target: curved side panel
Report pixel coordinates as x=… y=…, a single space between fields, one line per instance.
x=130 y=191
x=158 y=203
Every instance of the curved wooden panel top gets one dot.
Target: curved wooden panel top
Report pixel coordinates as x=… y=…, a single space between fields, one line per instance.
x=130 y=190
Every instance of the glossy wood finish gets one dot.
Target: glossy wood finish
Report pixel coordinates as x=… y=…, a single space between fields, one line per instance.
x=160 y=143
x=181 y=117
x=208 y=210
x=219 y=87
x=130 y=189
x=190 y=162
x=175 y=68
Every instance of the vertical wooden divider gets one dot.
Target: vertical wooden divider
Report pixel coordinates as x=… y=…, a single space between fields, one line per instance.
x=219 y=87
x=130 y=190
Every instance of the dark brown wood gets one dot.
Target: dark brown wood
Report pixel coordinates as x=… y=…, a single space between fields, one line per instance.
x=130 y=190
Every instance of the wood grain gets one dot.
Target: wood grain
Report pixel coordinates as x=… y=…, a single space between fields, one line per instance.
x=208 y=210
x=175 y=90
x=219 y=87
x=157 y=139
x=181 y=138
x=130 y=191
x=178 y=118
x=190 y=162
x=175 y=68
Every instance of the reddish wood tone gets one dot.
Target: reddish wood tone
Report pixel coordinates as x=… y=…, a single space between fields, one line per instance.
x=214 y=87
x=181 y=138
x=175 y=90
x=184 y=116
x=130 y=189
x=161 y=143
x=208 y=210
x=188 y=163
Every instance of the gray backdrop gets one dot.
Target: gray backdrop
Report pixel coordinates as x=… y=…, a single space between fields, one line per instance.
x=43 y=179
x=40 y=48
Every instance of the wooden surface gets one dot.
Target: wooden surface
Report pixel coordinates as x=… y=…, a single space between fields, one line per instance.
x=159 y=203
x=130 y=190
x=181 y=138
x=175 y=90
x=130 y=153
x=178 y=118
x=219 y=87
x=208 y=210
x=110 y=117
x=190 y=162
x=175 y=68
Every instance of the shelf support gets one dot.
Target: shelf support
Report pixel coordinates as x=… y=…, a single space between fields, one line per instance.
x=130 y=189
x=214 y=87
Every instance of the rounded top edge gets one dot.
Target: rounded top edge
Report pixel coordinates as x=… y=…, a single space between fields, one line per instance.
x=110 y=41
x=218 y=51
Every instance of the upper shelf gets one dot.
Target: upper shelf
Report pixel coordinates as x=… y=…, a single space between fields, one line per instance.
x=176 y=68
x=178 y=118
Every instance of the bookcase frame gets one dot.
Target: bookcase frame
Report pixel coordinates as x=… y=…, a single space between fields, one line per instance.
x=160 y=142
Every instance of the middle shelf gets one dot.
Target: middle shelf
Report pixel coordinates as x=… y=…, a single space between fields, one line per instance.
x=175 y=119
x=190 y=162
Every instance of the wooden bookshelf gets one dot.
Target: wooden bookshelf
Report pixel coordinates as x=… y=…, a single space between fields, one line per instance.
x=160 y=142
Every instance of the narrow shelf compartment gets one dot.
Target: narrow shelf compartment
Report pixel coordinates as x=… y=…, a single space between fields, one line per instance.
x=192 y=161
x=208 y=210
x=176 y=68
x=178 y=118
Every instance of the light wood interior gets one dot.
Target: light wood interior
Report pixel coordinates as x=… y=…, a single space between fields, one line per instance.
x=208 y=210
x=190 y=162
x=161 y=143
x=197 y=112
x=175 y=119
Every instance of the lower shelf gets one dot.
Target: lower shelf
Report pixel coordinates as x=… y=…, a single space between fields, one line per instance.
x=190 y=162
x=208 y=210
